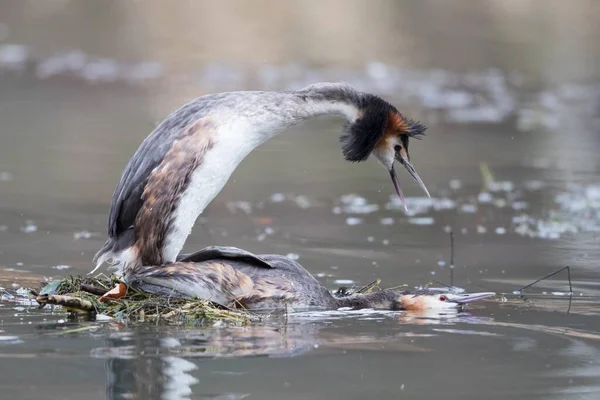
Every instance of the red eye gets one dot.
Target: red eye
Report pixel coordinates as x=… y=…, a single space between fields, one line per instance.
x=397 y=148
x=443 y=298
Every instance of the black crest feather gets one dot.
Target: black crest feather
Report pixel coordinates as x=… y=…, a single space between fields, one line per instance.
x=360 y=137
x=415 y=129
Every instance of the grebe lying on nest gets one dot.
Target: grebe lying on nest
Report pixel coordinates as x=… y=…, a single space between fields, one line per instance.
x=266 y=282
x=185 y=162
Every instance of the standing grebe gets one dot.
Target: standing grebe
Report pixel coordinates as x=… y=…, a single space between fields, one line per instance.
x=185 y=162
x=245 y=282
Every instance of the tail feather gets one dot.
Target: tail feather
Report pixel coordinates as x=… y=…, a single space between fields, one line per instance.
x=104 y=254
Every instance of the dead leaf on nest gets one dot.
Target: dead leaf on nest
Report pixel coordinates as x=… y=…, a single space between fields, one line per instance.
x=119 y=291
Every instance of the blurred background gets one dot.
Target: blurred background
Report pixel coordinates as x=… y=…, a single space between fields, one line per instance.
x=502 y=84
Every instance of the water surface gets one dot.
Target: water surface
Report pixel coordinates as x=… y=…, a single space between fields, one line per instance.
x=505 y=90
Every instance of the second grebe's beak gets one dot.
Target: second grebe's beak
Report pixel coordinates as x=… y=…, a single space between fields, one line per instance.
x=468 y=297
x=402 y=158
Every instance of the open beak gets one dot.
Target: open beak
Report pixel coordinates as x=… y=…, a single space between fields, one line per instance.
x=469 y=297
x=411 y=170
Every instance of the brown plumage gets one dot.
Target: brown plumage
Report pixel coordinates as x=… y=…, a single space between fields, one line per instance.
x=165 y=186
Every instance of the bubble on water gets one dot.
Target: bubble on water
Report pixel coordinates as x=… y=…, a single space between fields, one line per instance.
x=13 y=56
x=444 y=204
x=484 y=197
x=500 y=230
x=82 y=235
x=269 y=230
x=468 y=208
x=101 y=70
x=421 y=221
x=353 y=221
x=68 y=62
x=500 y=203
x=355 y=204
x=441 y=263
x=519 y=205
x=455 y=184
x=303 y=202
x=277 y=197
x=344 y=282
x=385 y=242
x=501 y=186
x=387 y=221
x=29 y=227
x=415 y=205
x=481 y=229
x=61 y=267
x=10 y=339
x=370 y=239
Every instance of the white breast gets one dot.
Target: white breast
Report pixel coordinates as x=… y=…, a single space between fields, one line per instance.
x=233 y=142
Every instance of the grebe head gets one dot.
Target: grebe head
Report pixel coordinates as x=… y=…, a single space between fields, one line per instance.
x=438 y=300
x=380 y=129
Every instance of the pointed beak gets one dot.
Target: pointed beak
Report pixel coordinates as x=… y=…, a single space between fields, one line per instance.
x=411 y=170
x=469 y=297
x=397 y=186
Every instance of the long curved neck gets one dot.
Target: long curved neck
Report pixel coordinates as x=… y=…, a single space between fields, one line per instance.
x=254 y=118
x=266 y=114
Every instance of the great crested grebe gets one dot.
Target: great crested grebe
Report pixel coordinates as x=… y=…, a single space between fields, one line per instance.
x=269 y=282
x=185 y=162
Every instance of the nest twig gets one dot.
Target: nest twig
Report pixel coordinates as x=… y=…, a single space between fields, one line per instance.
x=83 y=295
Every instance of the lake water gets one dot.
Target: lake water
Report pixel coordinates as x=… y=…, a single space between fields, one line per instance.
x=511 y=97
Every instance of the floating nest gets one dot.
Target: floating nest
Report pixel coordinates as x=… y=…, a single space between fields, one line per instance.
x=86 y=295
x=91 y=296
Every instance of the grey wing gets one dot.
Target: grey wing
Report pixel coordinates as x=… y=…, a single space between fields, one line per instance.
x=225 y=253
x=127 y=197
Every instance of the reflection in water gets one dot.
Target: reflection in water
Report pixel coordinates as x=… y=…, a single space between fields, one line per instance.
x=165 y=363
x=151 y=365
